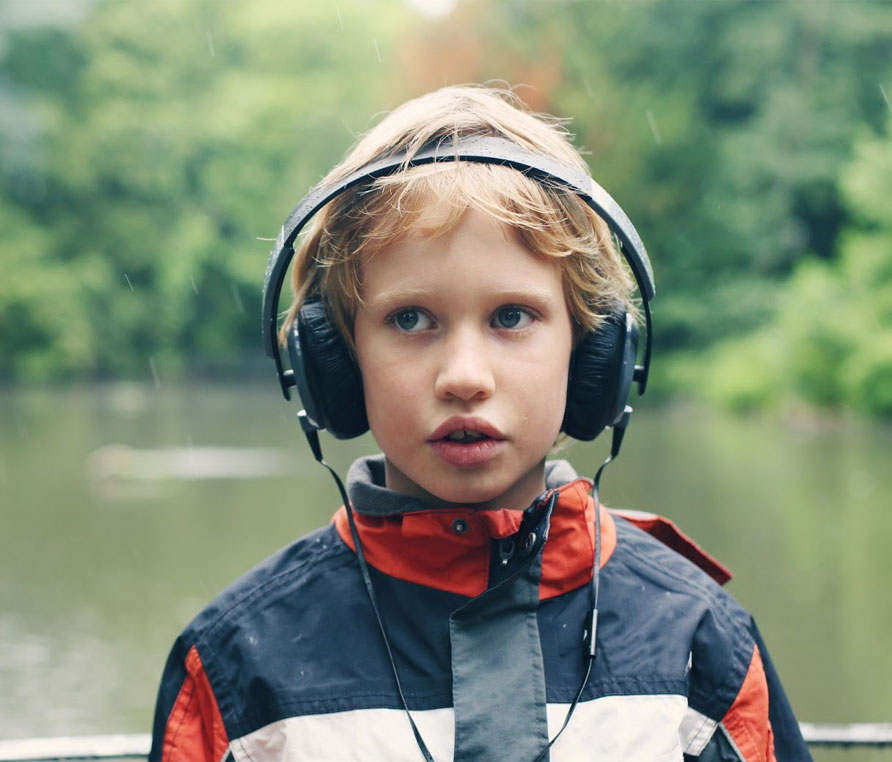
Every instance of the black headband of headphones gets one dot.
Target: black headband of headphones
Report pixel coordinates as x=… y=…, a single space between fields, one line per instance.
x=482 y=149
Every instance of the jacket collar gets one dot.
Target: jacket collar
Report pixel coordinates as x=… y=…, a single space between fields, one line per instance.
x=451 y=549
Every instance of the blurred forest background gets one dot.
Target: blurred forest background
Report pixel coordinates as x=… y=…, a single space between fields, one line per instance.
x=150 y=151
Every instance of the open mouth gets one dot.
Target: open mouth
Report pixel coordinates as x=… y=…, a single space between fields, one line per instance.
x=466 y=430
x=466 y=436
x=467 y=441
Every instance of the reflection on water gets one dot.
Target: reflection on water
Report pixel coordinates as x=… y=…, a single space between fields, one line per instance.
x=96 y=582
x=120 y=471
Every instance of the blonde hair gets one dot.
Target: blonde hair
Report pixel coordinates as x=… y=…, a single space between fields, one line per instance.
x=551 y=221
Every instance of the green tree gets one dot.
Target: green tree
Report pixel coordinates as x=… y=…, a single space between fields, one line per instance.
x=160 y=141
x=831 y=342
x=727 y=127
x=175 y=138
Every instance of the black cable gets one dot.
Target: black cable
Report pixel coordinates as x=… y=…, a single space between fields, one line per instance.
x=590 y=634
x=313 y=438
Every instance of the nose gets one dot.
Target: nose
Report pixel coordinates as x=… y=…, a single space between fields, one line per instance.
x=465 y=370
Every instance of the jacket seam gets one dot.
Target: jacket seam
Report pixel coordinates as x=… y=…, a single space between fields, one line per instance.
x=746 y=732
x=734 y=747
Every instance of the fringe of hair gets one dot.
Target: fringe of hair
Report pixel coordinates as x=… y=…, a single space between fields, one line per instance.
x=549 y=220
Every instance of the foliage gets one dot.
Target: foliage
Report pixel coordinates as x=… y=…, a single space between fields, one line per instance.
x=147 y=147
x=736 y=127
x=831 y=343
x=174 y=139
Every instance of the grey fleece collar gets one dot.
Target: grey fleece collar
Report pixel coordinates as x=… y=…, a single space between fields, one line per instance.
x=369 y=496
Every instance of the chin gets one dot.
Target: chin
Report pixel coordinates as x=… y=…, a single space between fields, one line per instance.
x=469 y=497
x=484 y=487
x=470 y=494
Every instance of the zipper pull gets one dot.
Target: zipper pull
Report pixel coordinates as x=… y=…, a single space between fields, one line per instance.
x=506 y=550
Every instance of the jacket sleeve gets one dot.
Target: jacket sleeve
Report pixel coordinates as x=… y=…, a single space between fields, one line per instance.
x=759 y=726
x=788 y=741
x=188 y=726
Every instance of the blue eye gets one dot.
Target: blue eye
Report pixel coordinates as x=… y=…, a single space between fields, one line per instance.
x=511 y=318
x=411 y=320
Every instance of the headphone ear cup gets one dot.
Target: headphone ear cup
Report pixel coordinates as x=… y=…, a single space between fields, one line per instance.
x=326 y=373
x=601 y=370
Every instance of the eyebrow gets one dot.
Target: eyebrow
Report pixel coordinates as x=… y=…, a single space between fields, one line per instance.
x=408 y=296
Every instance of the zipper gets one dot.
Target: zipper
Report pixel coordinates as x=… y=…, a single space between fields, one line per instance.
x=506 y=550
x=503 y=561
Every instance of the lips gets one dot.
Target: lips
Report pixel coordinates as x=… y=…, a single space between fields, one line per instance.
x=463 y=441
x=459 y=424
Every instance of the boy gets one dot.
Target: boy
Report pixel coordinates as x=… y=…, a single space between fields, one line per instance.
x=468 y=601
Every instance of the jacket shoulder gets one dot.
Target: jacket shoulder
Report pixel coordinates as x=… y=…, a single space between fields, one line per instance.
x=668 y=559
x=676 y=605
x=282 y=574
x=666 y=531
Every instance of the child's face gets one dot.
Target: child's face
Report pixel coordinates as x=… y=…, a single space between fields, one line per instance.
x=464 y=332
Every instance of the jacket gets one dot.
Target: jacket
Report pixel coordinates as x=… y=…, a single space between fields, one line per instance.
x=485 y=612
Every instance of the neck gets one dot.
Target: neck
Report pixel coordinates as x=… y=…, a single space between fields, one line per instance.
x=518 y=496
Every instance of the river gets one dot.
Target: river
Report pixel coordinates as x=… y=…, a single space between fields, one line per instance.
x=112 y=535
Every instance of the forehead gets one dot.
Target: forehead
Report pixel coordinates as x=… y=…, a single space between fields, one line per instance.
x=477 y=254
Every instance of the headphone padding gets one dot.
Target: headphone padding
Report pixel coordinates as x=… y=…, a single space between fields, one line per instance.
x=331 y=373
x=595 y=397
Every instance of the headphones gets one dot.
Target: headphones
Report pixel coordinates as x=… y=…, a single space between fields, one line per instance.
x=324 y=370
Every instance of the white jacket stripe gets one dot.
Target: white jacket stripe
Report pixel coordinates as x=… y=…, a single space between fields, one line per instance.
x=607 y=729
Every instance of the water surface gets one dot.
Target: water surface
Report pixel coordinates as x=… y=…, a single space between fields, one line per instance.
x=98 y=573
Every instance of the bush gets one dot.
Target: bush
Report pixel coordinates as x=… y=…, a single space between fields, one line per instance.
x=869 y=376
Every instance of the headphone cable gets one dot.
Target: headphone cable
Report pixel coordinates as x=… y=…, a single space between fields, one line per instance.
x=590 y=633
x=312 y=435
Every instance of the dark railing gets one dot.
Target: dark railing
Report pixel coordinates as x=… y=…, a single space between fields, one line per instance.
x=120 y=747
x=877 y=734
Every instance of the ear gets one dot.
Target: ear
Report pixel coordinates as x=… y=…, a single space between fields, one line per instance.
x=601 y=369
x=328 y=378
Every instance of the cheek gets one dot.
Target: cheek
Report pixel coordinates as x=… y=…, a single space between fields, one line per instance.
x=550 y=390
x=391 y=394
x=540 y=394
x=554 y=399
